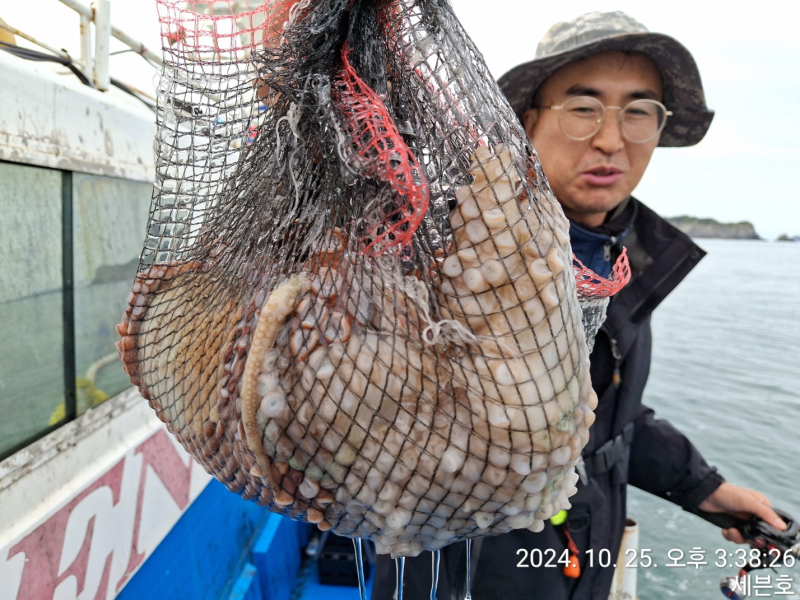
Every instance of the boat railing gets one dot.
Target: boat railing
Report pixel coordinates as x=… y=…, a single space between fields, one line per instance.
x=94 y=58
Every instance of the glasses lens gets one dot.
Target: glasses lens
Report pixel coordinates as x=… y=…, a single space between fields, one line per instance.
x=642 y=120
x=581 y=117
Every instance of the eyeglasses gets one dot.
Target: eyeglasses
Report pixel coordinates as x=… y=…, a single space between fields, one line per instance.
x=640 y=121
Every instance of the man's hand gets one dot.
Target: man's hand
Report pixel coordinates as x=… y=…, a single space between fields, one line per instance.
x=743 y=503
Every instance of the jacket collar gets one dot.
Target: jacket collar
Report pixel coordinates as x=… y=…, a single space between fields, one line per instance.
x=661 y=256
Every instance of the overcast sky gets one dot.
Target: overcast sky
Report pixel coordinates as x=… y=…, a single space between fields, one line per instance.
x=748 y=52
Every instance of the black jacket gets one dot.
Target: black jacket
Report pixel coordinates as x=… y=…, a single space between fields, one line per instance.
x=657 y=459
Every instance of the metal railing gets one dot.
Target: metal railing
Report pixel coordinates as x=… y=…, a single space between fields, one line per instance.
x=94 y=58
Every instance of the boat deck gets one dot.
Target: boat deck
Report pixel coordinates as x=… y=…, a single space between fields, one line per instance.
x=224 y=548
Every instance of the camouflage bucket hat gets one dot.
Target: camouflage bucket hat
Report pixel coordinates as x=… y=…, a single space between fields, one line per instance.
x=600 y=32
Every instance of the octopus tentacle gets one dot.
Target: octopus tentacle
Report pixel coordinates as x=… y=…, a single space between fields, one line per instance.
x=278 y=306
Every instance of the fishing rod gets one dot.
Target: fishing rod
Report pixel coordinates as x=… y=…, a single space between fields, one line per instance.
x=775 y=548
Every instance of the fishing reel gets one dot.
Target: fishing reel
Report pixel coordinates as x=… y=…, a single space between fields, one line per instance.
x=774 y=546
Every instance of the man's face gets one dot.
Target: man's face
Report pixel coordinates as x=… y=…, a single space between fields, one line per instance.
x=591 y=177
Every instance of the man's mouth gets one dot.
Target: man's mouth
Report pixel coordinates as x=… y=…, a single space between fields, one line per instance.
x=602 y=176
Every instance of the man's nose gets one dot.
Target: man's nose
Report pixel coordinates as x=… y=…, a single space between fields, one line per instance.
x=609 y=139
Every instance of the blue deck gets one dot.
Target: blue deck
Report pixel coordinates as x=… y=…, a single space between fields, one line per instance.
x=225 y=548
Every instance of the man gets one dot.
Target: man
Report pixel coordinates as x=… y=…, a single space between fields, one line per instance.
x=598 y=98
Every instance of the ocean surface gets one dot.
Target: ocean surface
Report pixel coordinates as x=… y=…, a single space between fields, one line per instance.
x=725 y=372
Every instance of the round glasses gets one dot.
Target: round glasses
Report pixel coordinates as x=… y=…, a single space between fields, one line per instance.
x=581 y=117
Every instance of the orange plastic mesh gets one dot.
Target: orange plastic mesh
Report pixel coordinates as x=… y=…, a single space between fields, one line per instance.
x=590 y=285
x=380 y=153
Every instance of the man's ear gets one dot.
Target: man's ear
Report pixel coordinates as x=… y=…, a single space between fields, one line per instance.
x=529 y=120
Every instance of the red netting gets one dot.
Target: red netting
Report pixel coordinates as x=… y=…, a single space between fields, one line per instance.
x=219 y=28
x=590 y=285
x=379 y=152
x=594 y=292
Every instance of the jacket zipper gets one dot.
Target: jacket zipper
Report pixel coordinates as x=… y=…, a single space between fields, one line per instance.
x=607 y=249
x=616 y=378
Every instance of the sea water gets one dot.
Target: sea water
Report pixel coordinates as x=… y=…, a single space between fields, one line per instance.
x=725 y=372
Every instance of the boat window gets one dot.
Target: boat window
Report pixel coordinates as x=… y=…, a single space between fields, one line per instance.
x=31 y=303
x=109 y=220
x=69 y=248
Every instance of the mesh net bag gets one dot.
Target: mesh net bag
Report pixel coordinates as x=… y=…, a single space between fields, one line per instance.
x=594 y=293
x=354 y=303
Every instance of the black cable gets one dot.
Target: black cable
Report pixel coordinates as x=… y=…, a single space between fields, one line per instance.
x=35 y=55
x=127 y=90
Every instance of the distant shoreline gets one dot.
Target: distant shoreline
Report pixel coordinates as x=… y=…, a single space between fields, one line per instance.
x=713 y=229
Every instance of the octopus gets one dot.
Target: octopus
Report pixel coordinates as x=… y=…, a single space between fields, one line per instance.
x=337 y=396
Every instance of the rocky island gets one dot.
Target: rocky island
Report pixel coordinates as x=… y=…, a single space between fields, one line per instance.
x=710 y=228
